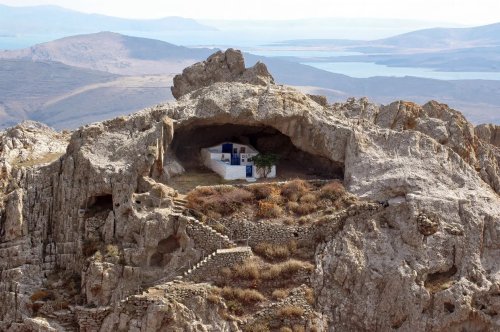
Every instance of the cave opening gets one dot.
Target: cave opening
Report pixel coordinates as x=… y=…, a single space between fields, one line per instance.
x=165 y=247
x=293 y=162
x=99 y=203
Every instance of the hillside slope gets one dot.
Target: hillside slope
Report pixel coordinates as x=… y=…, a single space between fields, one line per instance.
x=113 y=53
x=67 y=97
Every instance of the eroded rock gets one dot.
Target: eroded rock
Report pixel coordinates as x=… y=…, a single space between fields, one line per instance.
x=102 y=211
x=228 y=66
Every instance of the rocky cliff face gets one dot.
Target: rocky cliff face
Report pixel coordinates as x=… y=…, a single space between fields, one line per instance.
x=91 y=240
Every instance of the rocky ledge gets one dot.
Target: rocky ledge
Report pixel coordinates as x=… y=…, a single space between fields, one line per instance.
x=94 y=235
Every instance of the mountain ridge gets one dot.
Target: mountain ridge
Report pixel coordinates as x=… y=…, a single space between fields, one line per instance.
x=61 y=20
x=431 y=38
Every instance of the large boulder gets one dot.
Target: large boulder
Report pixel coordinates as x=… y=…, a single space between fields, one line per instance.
x=228 y=66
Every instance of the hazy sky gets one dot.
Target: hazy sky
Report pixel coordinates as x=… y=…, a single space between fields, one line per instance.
x=457 y=11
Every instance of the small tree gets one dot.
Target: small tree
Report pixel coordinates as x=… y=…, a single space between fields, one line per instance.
x=265 y=162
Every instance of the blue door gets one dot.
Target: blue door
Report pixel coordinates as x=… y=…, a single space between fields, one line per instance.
x=227 y=148
x=249 y=171
x=235 y=159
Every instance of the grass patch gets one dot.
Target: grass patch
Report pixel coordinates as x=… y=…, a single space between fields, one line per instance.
x=222 y=200
x=269 y=201
x=273 y=251
x=293 y=190
x=269 y=210
x=290 y=311
x=246 y=295
x=280 y=294
x=256 y=327
x=252 y=270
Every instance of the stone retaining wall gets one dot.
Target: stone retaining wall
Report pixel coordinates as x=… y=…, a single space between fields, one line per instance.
x=210 y=268
x=255 y=232
x=205 y=237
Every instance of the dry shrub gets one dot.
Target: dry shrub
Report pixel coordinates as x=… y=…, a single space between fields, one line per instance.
x=235 y=307
x=242 y=295
x=293 y=265
x=256 y=327
x=276 y=251
x=293 y=190
x=285 y=329
x=305 y=220
x=206 y=191
x=290 y=311
x=263 y=191
x=275 y=198
x=304 y=208
x=309 y=295
x=213 y=298
x=292 y=206
x=298 y=328
x=332 y=190
x=279 y=294
x=249 y=270
x=221 y=201
x=309 y=198
x=285 y=269
x=269 y=210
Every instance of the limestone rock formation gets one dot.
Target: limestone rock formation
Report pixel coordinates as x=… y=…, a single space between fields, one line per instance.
x=92 y=237
x=227 y=66
x=489 y=133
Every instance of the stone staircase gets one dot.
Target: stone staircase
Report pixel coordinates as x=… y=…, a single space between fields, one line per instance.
x=209 y=232
x=206 y=238
x=211 y=265
x=180 y=205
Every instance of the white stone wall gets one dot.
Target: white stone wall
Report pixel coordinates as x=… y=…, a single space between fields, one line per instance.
x=233 y=172
x=213 y=161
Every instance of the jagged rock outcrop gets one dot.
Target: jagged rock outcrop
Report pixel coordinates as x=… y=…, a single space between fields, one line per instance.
x=476 y=145
x=102 y=216
x=227 y=66
x=489 y=133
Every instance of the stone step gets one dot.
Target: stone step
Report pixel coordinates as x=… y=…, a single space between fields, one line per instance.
x=180 y=200
x=212 y=256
